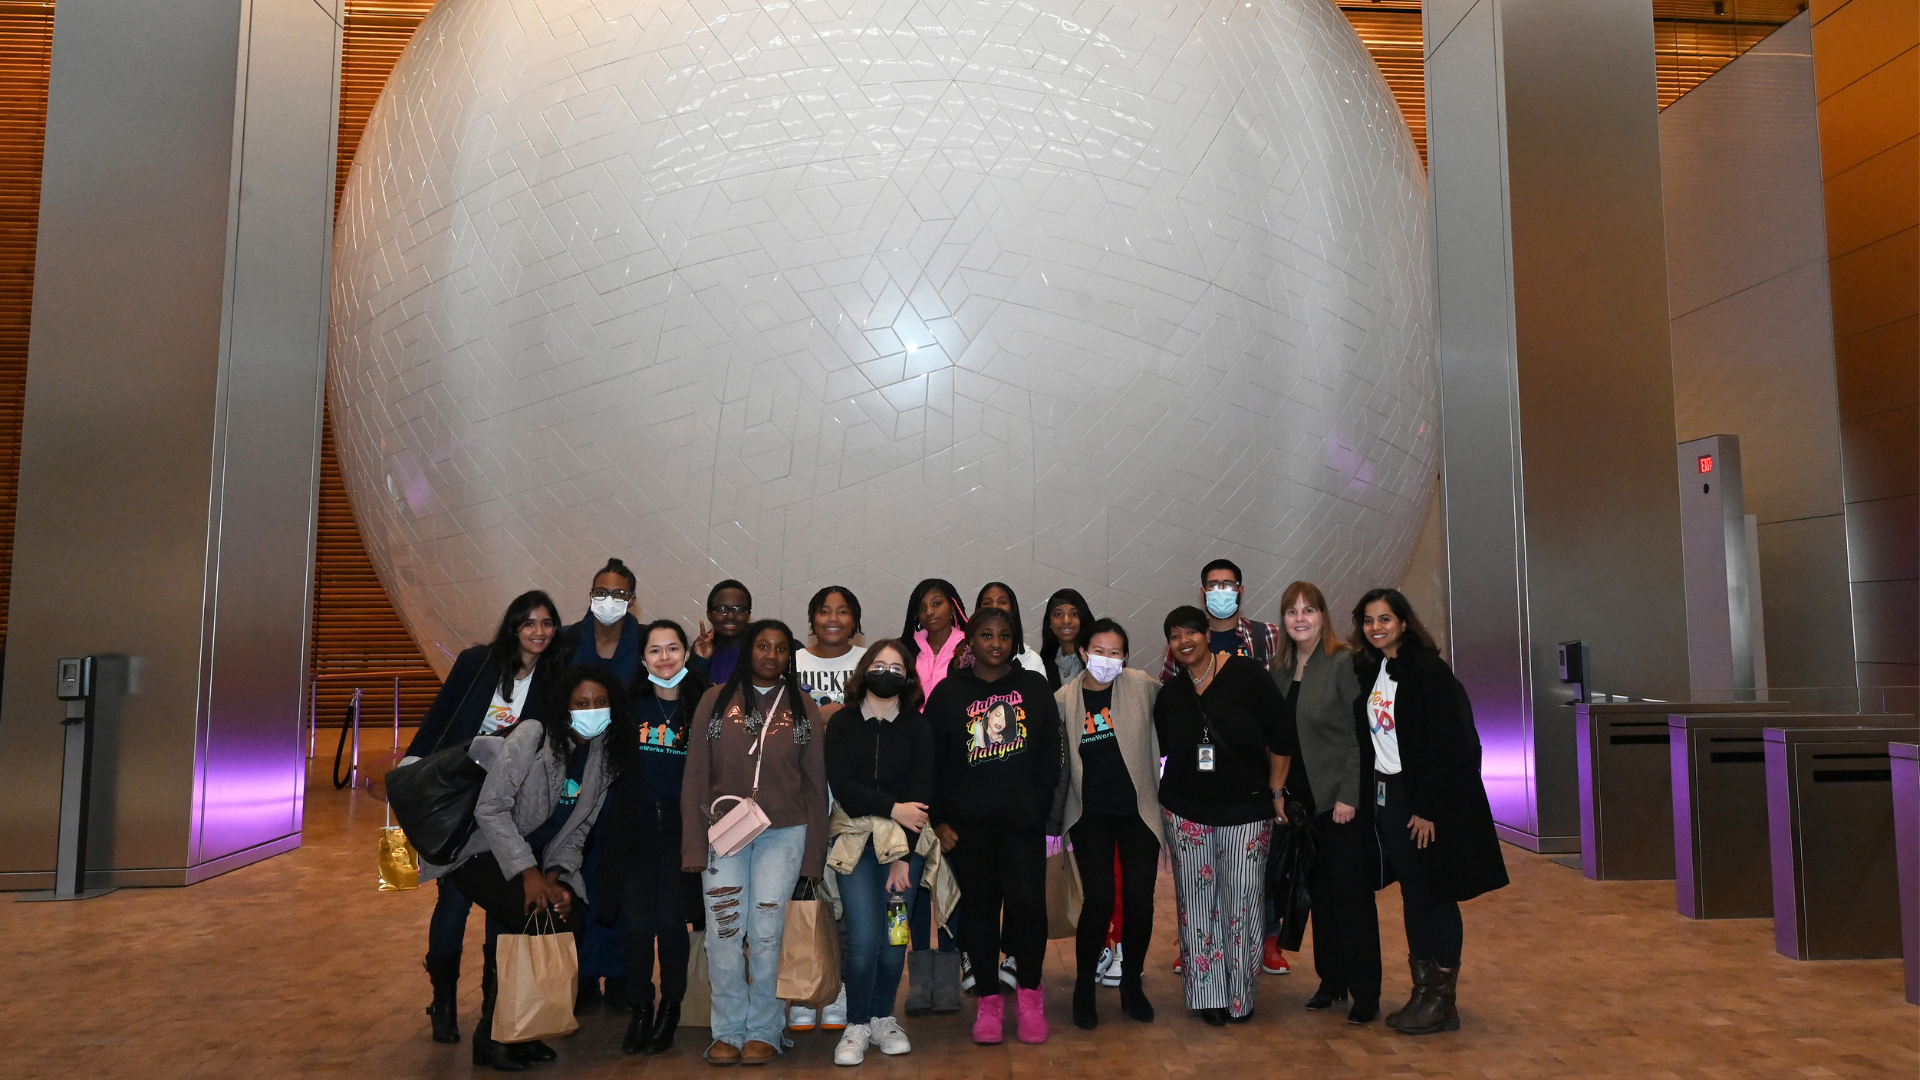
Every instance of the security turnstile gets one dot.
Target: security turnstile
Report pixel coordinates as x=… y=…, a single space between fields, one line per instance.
x=1626 y=783
x=1906 y=836
x=1836 y=892
x=1721 y=859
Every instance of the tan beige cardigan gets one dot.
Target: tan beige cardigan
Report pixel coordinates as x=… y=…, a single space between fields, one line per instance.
x=1133 y=696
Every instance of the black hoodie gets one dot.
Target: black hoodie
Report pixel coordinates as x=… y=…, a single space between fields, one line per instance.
x=998 y=749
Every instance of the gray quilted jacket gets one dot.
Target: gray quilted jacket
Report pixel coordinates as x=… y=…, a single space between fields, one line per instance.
x=524 y=777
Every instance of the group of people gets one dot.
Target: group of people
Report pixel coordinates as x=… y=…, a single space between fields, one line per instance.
x=927 y=772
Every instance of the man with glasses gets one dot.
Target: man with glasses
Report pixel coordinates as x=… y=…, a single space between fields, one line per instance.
x=1231 y=632
x=717 y=651
x=609 y=635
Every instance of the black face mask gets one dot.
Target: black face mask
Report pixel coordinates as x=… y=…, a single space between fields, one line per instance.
x=886 y=684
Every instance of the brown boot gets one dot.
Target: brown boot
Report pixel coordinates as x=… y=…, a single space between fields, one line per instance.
x=1422 y=972
x=1436 y=1011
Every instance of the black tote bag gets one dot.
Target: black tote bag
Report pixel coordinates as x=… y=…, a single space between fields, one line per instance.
x=433 y=800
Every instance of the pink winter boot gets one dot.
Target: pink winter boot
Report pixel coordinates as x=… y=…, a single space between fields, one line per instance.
x=1030 y=1011
x=990 y=1023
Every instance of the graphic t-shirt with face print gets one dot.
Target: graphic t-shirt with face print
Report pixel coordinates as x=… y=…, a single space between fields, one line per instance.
x=1380 y=724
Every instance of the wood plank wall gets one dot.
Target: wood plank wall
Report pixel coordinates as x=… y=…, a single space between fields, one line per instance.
x=26 y=59
x=355 y=627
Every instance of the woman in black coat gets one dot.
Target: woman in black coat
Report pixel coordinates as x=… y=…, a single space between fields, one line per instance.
x=1430 y=806
x=490 y=688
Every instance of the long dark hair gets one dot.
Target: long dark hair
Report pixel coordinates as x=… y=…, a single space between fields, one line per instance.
x=920 y=592
x=623 y=735
x=504 y=651
x=1013 y=614
x=743 y=676
x=691 y=686
x=1050 y=647
x=913 y=697
x=1402 y=610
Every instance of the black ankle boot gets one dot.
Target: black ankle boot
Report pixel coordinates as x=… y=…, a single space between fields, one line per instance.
x=665 y=1023
x=486 y=1052
x=1364 y=1010
x=1085 y=1016
x=1133 y=1000
x=533 y=1050
x=444 y=973
x=638 y=1027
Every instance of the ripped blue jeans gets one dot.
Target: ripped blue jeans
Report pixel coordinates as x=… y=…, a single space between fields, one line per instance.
x=746 y=897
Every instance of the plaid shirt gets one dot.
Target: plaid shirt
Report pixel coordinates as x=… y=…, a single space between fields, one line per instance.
x=1260 y=640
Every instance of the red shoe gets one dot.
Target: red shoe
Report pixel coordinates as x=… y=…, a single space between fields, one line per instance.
x=1272 y=960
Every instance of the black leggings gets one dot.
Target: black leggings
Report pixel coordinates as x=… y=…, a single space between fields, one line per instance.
x=653 y=902
x=1001 y=872
x=1434 y=931
x=1095 y=839
x=1346 y=924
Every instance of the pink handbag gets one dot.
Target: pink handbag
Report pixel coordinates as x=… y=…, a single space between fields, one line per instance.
x=738 y=827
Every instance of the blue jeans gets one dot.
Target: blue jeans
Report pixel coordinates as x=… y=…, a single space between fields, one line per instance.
x=872 y=969
x=447 y=927
x=746 y=897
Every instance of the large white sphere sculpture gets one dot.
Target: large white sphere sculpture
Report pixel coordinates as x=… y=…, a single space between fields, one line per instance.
x=1057 y=292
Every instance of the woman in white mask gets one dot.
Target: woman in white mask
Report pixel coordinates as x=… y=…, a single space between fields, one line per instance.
x=642 y=884
x=543 y=790
x=1112 y=808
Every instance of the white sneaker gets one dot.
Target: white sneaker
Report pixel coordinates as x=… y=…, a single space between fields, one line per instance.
x=801 y=1018
x=853 y=1046
x=1110 y=975
x=1100 y=969
x=888 y=1036
x=1009 y=973
x=834 y=1016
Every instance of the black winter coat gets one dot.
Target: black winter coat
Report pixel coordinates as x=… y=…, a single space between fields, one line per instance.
x=1440 y=766
x=460 y=706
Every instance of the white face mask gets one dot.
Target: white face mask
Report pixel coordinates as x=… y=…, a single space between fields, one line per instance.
x=589 y=723
x=608 y=610
x=1105 y=669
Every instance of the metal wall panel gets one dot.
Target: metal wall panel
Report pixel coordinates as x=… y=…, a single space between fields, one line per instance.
x=171 y=424
x=1556 y=386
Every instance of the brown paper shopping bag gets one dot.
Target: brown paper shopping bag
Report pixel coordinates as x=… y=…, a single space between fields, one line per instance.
x=1064 y=895
x=809 y=952
x=696 y=1009
x=539 y=974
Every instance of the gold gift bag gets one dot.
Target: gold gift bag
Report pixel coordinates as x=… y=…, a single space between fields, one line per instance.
x=399 y=863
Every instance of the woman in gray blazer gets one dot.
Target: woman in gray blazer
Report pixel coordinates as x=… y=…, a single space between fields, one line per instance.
x=1316 y=674
x=1112 y=805
x=545 y=780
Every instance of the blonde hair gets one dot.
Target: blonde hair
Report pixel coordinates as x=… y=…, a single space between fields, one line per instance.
x=1285 y=658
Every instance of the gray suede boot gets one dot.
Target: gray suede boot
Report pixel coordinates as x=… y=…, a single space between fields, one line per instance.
x=946 y=982
x=919 y=983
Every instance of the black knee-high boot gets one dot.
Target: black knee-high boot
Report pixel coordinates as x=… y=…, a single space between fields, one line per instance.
x=485 y=1050
x=444 y=973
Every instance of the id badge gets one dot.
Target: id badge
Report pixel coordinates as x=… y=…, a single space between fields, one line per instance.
x=1379 y=793
x=1205 y=763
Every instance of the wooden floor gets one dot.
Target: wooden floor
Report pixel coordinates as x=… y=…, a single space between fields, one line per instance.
x=298 y=967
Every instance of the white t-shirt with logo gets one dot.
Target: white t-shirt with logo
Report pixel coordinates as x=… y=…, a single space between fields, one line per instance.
x=826 y=677
x=1386 y=740
x=503 y=714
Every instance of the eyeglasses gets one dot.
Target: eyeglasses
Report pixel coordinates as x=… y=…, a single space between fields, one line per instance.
x=729 y=609
x=879 y=668
x=616 y=594
x=1217 y=586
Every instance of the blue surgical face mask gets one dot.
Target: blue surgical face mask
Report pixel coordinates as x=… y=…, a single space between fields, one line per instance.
x=1222 y=603
x=589 y=723
x=667 y=684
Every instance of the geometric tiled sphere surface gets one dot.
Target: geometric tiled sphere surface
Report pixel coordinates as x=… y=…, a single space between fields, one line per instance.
x=1056 y=292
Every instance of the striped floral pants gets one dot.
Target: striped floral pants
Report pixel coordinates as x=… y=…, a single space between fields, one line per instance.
x=1219 y=880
